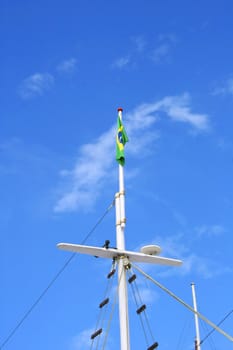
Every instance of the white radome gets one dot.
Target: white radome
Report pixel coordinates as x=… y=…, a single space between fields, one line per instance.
x=151 y=250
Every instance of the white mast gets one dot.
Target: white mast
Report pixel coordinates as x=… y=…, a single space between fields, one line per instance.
x=122 y=257
x=123 y=262
x=197 y=339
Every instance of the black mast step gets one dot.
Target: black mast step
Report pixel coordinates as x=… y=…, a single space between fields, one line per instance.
x=104 y=302
x=132 y=278
x=111 y=273
x=98 y=332
x=142 y=308
x=153 y=346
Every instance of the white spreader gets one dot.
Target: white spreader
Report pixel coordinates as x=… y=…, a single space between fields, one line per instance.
x=118 y=253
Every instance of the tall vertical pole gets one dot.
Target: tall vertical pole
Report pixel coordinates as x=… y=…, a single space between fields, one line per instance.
x=197 y=339
x=120 y=242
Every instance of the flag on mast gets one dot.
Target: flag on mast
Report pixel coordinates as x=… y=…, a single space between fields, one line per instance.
x=121 y=139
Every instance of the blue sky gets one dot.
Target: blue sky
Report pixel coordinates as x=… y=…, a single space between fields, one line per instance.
x=66 y=67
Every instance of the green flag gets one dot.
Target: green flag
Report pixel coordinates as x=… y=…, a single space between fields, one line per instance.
x=121 y=140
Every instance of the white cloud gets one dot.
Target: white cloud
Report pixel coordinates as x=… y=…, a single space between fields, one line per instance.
x=121 y=62
x=83 y=183
x=139 y=51
x=129 y=60
x=85 y=179
x=210 y=230
x=162 y=53
x=173 y=246
x=169 y=37
x=82 y=340
x=178 y=109
x=67 y=66
x=225 y=89
x=36 y=85
x=140 y=43
x=145 y=290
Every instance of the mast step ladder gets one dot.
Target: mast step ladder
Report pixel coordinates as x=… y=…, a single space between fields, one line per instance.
x=104 y=302
x=95 y=334
x=141 y=309
x=153 y=346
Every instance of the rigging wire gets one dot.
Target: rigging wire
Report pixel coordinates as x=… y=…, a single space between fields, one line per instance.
x=53 y=280
x=144 y=320
x=137 y=305
x=111 y=280
x=145 y=313
x=112 y=311
x=185 y=328
x=218 y=324
x=210 y=340
x=184 y=303
x=102 y=312
x=98 y=331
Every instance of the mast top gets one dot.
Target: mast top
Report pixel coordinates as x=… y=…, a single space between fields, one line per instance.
x=120 y=109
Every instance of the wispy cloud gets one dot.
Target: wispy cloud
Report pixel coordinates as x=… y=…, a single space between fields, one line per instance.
x=162 y=52
x=139 y=43
x=82 y=340
x=82 y=184
x=67 y=66
x=39 y=83
x=173 y=246
x=224 y=89
x=204 y=267
x=36 y=85
x=140 y=50
x=210 y=230
x=121 y=62
x=145 y=290
x=129 y=59
x=85 y=179
x=178 y=108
